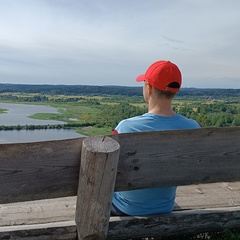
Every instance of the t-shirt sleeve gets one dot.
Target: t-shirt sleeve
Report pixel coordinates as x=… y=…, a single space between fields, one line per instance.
x=122 y=127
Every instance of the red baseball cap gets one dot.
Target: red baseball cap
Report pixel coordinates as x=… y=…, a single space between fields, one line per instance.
x=163 y=75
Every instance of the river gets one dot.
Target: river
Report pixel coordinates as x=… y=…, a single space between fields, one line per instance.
x=18 y=114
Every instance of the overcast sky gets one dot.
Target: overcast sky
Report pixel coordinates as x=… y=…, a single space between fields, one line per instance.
x=111 y=42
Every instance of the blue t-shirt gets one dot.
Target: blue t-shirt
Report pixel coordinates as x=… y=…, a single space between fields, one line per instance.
x=152 y=200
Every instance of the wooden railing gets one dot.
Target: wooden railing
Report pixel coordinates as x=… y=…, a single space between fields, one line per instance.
x=47 y=170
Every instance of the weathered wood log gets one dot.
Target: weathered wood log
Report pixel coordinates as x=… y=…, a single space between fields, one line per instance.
x=54 y=231
x=98 y=170
x=201 y=196
x=38 y=212
x=174 y=224
x=182 y=157
x=42 y=170
x=32 y=171
x=122 y=228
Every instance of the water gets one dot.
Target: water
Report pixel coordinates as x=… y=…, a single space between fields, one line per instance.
x=18 y=114
x=21 y=136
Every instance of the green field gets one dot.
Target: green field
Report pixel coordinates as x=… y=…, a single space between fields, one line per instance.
x=96 y=115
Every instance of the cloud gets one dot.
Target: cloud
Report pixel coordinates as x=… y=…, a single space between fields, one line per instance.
x=111 y=42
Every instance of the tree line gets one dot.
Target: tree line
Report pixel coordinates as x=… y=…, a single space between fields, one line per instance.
x=207 y=115
x=110 y=90
x=45 y=127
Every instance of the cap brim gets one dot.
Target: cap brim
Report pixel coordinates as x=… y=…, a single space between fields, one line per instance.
x=140 y=78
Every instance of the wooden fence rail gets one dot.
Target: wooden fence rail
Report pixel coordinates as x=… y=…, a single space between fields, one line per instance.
x=46 y=170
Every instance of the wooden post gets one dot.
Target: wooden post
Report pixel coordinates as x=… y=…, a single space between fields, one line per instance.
x=99 y=160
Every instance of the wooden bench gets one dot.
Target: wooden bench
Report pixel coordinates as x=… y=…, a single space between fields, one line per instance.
x=41 y=191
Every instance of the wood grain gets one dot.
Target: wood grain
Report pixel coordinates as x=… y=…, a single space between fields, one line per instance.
x=174 y=224
x=202 y=196
x=32 y=171
x=177 y=223
x=96 y=185
x=54 y=231
x=38 y=212
x=25 y=219
x=183 y=157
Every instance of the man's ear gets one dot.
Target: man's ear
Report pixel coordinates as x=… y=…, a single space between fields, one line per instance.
x=150 y=89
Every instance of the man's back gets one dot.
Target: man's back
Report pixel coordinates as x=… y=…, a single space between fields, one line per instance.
x=154 y=122
x=155 y=200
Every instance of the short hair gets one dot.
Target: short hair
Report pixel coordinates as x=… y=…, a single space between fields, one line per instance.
x=166 y=94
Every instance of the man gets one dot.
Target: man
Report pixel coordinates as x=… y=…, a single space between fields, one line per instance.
x=162 y=81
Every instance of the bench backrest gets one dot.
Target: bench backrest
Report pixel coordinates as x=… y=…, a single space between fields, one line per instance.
x=31 y=171
x=184 y=157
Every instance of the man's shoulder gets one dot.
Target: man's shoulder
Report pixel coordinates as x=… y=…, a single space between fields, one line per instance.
x=191 y=123
x=130 y=124
x=134 y=119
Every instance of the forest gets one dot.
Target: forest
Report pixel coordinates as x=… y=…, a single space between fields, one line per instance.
x=110 y=90
x=94 y=110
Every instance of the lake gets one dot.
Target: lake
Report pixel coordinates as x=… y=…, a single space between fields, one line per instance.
x=18 y=114
x=21 y=136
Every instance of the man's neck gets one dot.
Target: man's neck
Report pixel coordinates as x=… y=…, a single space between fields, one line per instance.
x=162 y=108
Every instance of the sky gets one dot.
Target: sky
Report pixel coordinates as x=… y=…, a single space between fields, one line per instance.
x=111 y=42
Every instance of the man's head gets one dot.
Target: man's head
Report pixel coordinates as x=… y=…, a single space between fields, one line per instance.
x=163 y=75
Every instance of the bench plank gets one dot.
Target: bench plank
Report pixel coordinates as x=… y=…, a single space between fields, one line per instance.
x=38 y=212
x=55 y=231
x=45 y=170
x=173 y=158
x=211 y=195
x=216 y=195
x=32 y=171
x=176 y=223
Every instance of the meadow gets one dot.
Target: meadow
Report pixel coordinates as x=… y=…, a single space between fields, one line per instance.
x=94 y=115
